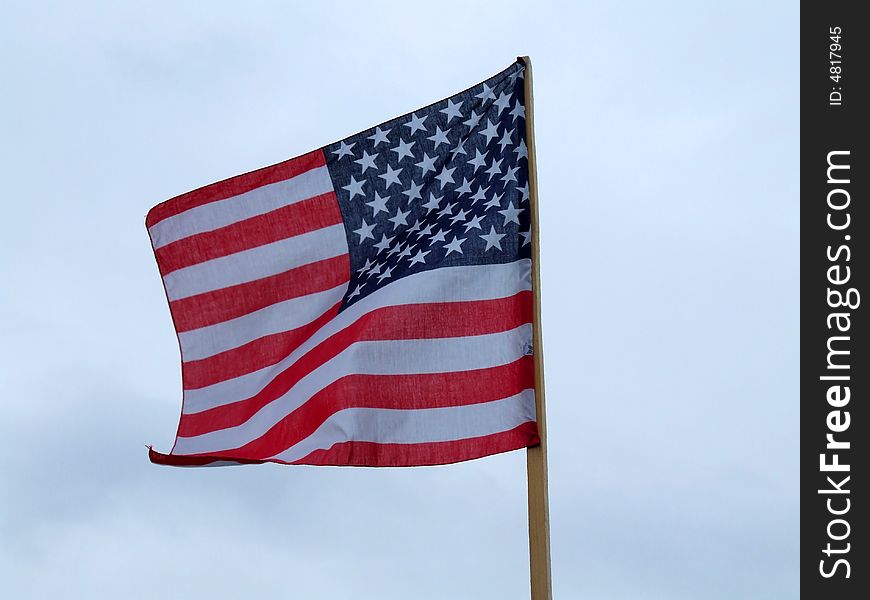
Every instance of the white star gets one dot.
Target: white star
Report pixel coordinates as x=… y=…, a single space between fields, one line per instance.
x=354 y=187
x=494 y=168
x=400 y=218
x=367 y=161
x=425 y=231
x=505 y=139
x=379 y=137
x=386 y=274
x=454 y=246
x=403 y=149
x=369 y=264
x=420 y=257
x=480 y=194
x=473 y=223
x=356 y=291
x=427 y=164
x=344 y=149
x=437 y=237
x=502 y=102
x=439 y=137
x=458 y=150
x=511 y=175
x=518 y=74
x=391 y=176
x=452 y=110
x=413 y=192
x=473 y=120
x=416 y=226
x=495 y=202
x=521 y=150
x=394 y=248
x=376 y=268
x=527 y=237
x=525 y=191
x=416 y=123
x=406 y=251
x=478 y=161
x=378 y=204
x=384 y=243
x=492 y=239
x=518 y=111
x=465 y=188
x=490 y=132
x=460 y=216
x=433 y=203
x=486 y=93
x=447 y=210
x=445 y=176
x=365 y=231
x=511 y=213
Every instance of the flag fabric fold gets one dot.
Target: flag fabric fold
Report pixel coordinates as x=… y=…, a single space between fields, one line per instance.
x=368 y=303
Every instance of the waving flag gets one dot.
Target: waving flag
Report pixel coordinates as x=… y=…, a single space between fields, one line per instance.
x=368 y=303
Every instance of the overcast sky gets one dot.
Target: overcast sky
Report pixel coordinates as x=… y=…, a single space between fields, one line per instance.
x=667 y=138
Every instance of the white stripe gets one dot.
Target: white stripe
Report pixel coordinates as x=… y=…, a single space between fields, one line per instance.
x=283 y=316
x=237 y=208
x=256 y=263
x=447 y=284
x=390 y=357
x=417 y=426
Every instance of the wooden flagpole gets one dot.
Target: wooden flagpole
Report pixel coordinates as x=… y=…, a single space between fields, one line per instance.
x=536 y=457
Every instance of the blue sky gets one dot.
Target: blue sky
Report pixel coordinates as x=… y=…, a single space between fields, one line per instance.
x=667 y=139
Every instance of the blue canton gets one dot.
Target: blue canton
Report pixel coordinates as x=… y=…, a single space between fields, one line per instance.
x=445 y=185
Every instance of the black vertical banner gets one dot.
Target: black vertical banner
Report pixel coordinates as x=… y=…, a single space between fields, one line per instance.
x=835 y=373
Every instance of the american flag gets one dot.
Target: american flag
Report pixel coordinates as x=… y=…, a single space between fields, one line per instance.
x=368 y=303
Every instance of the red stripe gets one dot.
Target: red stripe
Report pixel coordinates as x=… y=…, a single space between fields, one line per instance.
x=158 y=458
x=257 y=354
x=295 y=219
x=412 y=321
x=423 y=390
x=235 y=186
x=371 y=454
x=227 y=303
